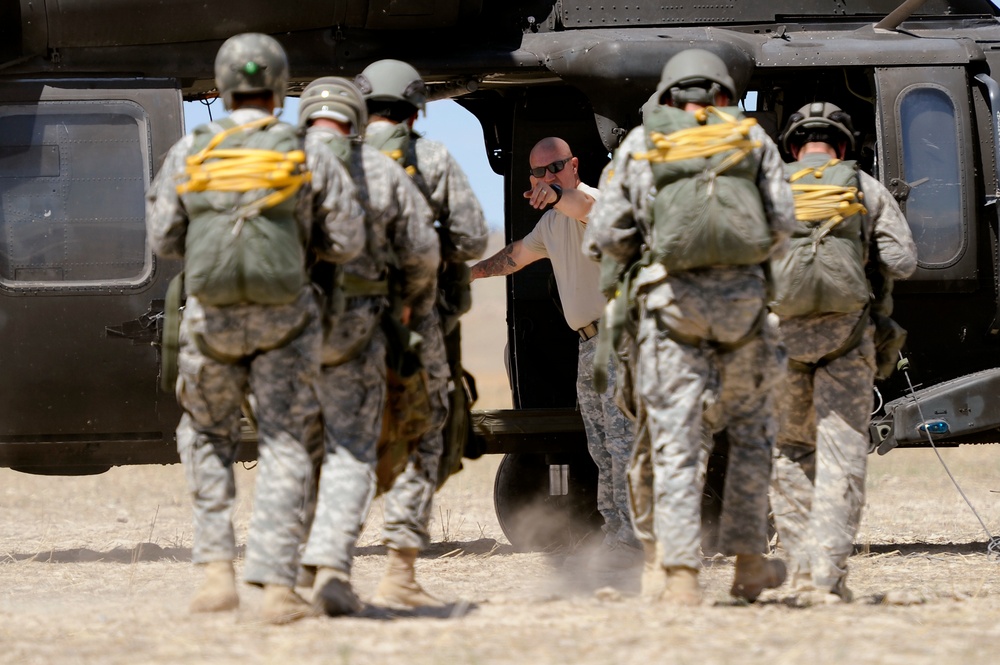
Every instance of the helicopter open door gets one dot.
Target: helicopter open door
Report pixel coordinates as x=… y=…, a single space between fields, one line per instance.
x=80 y=291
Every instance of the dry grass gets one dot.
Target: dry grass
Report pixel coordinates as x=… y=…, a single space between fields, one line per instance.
x=97 y=570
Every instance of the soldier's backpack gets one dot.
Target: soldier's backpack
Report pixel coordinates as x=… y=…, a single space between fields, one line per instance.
x=823 y=270
x=707 y=210
x=243 y=242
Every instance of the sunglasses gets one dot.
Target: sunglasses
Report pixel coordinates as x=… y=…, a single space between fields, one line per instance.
x=554 y=167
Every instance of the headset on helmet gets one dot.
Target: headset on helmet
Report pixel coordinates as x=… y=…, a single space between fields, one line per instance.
x=335 y=98
x=818 y=121
x=392 y=81
x=694 y=75
x=251 y=62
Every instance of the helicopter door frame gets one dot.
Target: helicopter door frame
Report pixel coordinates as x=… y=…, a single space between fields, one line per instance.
x=924 y=124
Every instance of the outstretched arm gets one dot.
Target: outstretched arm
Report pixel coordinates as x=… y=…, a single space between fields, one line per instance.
x=508 y=260
x=573 y=203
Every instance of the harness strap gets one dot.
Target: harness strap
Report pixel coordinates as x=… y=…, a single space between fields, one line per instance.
x=227 y=359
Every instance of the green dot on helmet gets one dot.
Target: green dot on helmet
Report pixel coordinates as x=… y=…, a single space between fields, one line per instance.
x=251 y=68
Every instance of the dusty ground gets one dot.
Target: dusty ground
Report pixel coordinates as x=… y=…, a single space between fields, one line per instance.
x=97 y=570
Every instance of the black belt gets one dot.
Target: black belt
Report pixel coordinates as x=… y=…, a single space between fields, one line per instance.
x=589 y=331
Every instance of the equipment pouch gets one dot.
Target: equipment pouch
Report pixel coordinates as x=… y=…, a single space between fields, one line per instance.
x=170 y=342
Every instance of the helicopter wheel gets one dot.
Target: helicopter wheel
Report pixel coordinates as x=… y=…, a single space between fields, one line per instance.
x=532 y=517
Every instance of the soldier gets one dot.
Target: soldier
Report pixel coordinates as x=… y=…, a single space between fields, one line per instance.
x=556 y=188
x=822 y=295
x=401 y=247
x=395 y=93
x=707 y=355
x=251 y=321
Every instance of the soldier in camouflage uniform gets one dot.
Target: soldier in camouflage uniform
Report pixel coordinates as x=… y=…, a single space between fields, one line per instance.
x=708 y=355
x=818 y=480
x=352 y=386
x=252 y=341
x=556 y=188
x=395 y=93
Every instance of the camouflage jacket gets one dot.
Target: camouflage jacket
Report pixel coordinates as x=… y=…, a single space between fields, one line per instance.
x=398 y=223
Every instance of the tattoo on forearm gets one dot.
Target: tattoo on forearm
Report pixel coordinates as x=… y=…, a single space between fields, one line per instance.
x=501 y=263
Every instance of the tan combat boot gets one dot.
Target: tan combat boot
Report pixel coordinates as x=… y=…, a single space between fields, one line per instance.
x=398 y=588
x=754 y=573
x=282 y=605
x=654 y=577
x=333 y=594
x=218 y=589
x=681 y=587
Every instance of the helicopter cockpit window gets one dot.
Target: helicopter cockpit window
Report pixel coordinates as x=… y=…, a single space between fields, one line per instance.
x=72 y=184
x=931 y=168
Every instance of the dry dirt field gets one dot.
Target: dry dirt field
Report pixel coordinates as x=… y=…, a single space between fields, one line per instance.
x=97 y=570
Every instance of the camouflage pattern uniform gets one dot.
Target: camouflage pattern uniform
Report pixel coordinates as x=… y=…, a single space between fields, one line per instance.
x=818 y=477
x=464 y=234
x=687 y=390
x=352 y=386
x=211 y=392
x=609 y=440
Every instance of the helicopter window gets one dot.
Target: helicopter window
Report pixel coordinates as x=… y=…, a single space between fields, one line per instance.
x=932 y=168
x=72 y=185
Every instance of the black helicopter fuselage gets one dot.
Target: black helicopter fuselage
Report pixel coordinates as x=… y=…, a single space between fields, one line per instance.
x=91 y=98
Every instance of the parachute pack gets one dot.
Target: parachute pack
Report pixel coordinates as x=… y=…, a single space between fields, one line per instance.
x=243 y=243
x=824 y=268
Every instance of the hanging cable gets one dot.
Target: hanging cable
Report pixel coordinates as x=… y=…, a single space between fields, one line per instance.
x=993 y=545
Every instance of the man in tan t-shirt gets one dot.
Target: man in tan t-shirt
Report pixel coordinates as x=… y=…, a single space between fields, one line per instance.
x=558 y=236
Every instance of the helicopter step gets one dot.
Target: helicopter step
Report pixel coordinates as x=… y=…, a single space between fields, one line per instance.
x=957 y=411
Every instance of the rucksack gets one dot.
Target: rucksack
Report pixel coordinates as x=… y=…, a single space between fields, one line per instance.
x=823 y=270
x=243 y=242
x=707 y=210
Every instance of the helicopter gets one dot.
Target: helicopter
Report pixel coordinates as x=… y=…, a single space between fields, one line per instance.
x=91 y=98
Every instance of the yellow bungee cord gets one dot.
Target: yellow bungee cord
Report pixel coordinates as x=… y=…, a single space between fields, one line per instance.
x=397 y=156
x=245 y=169
x=704 y=140
x=832 y=203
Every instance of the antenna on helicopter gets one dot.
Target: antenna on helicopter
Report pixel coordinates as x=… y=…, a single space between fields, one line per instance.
x=899 y=14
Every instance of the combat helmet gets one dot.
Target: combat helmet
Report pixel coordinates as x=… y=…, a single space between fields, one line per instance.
x=818 y=121
x=335 y=98
x=392 y=81
x=251 y=62
x=698 y=71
